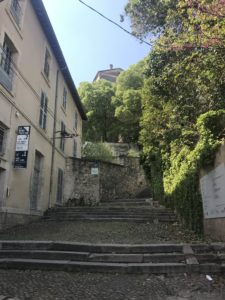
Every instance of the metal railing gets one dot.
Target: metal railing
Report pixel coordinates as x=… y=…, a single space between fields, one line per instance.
x=16 y=11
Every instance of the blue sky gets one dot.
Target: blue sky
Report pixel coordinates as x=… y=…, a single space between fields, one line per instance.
x=89 y=42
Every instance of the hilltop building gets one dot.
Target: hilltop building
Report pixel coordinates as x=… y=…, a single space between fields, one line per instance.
x=109 y=75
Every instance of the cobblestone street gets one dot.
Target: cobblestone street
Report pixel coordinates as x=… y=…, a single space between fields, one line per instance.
x=36 y=285
x=101 y=232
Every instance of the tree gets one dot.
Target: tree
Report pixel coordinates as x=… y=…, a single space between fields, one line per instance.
x=127 y=101
x=149 y=16
x=182 y=24
x=184 y=85
x=97 y=100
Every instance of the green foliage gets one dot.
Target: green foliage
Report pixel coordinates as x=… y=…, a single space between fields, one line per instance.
x=97 y=100
x=181 y=180
x=152 y=164
x=128 y=100
x=133 y=153
x=97 y=151
x=114 y=109
x=181 y=24
x=148 y=15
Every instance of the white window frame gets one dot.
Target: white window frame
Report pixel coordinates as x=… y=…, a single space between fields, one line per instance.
x=47 y=63
x=3 y=133
x=62 y=139
x=16 y=11
x=43 y=111
x=8 y=54
x=64 y=98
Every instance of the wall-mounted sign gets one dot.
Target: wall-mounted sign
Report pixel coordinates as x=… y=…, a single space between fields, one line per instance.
x=213 y=193
x=94 y=171
x=22 y=146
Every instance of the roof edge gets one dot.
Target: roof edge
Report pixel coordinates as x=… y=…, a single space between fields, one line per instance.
x=49 y=32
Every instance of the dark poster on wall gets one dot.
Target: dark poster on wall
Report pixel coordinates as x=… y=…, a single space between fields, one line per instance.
x=22 y=146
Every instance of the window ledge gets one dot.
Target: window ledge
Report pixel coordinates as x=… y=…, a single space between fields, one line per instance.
x=3 y=163
x=42 y=129
x=63 y=109
x=6 y=92
x=46 y=79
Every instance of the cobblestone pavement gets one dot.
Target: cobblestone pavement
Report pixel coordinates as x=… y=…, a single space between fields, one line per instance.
x=37 y=285
x=43 y=285
x=101 y=232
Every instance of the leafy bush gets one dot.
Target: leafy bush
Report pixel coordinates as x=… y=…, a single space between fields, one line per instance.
x=97 y=151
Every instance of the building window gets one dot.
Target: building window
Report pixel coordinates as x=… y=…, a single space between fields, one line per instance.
x=47 y=63
x=43 y=111
x=75 y=120
x=64 y=98
x=7 y=54
x=2 y=138
x=62 y=140
x=16 y=10
x=74 y=148
x=60 y=187
x=6 y=61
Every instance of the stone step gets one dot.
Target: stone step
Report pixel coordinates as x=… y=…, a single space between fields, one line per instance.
x=111 y=219
x=109 y=257
x=155 y=258
x=113 y=209
x=125 y=203
x=146 y=200
x=112 y=214
x=99 y=267
x=45 y=255
x=100 y=248
x=112 y=248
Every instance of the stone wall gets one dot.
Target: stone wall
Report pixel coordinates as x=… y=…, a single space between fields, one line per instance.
x=215 y=227
x=95 y=181
x=80 y=183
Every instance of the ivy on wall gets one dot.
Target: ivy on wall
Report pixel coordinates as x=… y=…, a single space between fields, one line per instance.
x=180 y=181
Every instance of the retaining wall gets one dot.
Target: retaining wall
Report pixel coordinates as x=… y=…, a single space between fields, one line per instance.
x=95 y=181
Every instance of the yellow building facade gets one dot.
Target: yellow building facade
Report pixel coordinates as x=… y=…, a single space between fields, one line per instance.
x=40 y=113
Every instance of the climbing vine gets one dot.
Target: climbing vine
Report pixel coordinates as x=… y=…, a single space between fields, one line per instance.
x=181 y=180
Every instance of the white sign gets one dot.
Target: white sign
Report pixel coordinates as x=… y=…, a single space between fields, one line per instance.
x=22 y=142
x=94 y=171
x=213 y=193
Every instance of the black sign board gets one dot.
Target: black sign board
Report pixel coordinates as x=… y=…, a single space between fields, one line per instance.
x=22 y=145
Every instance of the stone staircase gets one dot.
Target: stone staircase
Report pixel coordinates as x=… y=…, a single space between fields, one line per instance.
x=156 y=259
x=121 y=210
x=113 y=258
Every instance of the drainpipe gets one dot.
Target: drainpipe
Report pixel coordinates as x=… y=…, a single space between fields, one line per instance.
x=53 y=140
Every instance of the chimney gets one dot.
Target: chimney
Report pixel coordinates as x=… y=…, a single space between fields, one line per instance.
x=111 y=66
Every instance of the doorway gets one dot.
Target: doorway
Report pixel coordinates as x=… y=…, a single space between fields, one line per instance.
x=60 y=187
x=36 y=181
x=2 y=182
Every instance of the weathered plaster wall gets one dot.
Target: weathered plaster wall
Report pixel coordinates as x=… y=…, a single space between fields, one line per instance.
x=112 y=181
x=215 y=228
